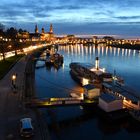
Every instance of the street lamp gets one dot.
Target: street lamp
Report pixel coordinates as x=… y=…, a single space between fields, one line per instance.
x=14 y=76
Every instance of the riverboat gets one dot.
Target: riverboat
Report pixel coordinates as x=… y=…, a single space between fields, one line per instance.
x=48 y=61
x=86 y=73
x=55 y=59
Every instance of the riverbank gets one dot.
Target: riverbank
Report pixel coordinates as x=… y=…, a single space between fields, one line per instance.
x=6 y=65
x=12 y=107
x=29 y=91
x=127 y=46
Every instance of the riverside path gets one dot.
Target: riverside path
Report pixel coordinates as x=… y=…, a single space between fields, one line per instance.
x=11 y=107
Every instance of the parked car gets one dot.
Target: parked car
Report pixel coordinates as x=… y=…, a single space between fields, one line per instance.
x=26 y=128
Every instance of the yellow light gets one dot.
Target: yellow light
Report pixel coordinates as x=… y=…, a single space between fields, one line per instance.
x=103 y=69
x=85 y=81
x=114 y=78
x=34 y=47
x=13 y=77
x=9 y=46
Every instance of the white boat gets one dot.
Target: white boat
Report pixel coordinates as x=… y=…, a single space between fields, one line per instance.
x=92 y=73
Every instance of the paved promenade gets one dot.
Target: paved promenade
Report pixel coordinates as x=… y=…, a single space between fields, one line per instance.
x=11 y=108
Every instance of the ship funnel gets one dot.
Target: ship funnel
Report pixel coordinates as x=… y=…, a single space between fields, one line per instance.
x=97 y=63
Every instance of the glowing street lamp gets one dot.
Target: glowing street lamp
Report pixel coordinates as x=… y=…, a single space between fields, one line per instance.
x=14 y=77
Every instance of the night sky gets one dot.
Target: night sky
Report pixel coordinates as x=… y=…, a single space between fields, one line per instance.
x=120 y=17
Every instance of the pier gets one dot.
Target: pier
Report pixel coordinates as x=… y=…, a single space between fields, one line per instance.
x=58 y=102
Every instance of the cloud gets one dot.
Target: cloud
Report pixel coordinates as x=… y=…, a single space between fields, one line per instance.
x=128 y=17
x=71 y=12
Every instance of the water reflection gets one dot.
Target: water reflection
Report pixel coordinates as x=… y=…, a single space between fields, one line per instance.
x=122 y=60
x=80 y=49
x=73 y=122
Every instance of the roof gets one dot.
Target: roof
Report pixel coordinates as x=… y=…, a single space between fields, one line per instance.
x=124 y=91
x=26 y=123
x=130 y=97
x=109 y=97
x=89 y=87
x=85 y=65
x=34 y=34
x=106 y=85
x=90 y=68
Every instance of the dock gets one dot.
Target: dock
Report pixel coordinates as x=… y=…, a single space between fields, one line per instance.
x=58 y=102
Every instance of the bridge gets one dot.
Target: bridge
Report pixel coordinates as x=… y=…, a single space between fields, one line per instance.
x=58 y=102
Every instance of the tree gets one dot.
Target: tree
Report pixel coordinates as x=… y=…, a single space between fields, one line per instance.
x=2 y=27
x=3 y=48
x=108 y=38
x=2 y=44
x=11 y=33
x=20 y=31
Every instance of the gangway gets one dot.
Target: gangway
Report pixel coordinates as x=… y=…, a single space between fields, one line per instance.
x=57 y=102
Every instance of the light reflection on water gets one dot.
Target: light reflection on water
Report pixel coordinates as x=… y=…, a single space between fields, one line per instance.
x=75 y=123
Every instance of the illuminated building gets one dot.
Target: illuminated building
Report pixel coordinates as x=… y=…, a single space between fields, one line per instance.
x=47 y=36
x=36 y=36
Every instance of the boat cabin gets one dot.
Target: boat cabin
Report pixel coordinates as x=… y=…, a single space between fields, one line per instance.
x=130 y=100
x=90 y=91
x=110 y=102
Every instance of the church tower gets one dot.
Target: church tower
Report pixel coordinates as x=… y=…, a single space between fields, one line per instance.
x=36 y=29
x=51 y=28
x=43 y=31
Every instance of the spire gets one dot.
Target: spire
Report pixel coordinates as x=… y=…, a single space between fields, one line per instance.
x=43 y=31
x=36 y=29
x=51 y=28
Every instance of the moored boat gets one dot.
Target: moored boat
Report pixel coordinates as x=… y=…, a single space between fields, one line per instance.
x=48 y=61
x=55 y=59
x=93 y=74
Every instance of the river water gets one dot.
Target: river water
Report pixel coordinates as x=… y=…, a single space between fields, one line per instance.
x=73 y=123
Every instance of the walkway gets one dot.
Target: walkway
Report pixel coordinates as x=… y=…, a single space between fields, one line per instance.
x=58 y=102
x=11 y=109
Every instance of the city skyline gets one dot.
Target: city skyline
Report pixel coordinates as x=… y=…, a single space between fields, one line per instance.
x=74 y=16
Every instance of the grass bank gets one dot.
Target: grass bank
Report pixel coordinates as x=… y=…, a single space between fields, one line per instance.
x=6 y=65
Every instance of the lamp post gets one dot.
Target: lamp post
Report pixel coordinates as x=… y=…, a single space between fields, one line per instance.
x=14 y=76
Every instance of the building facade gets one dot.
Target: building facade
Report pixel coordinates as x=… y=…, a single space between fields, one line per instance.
x=36 y=36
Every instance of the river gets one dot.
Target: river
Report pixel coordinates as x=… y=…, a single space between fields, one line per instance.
x=73 y=123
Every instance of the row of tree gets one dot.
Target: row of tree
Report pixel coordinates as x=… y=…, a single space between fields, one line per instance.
x=9 y=40
x=10 y=33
